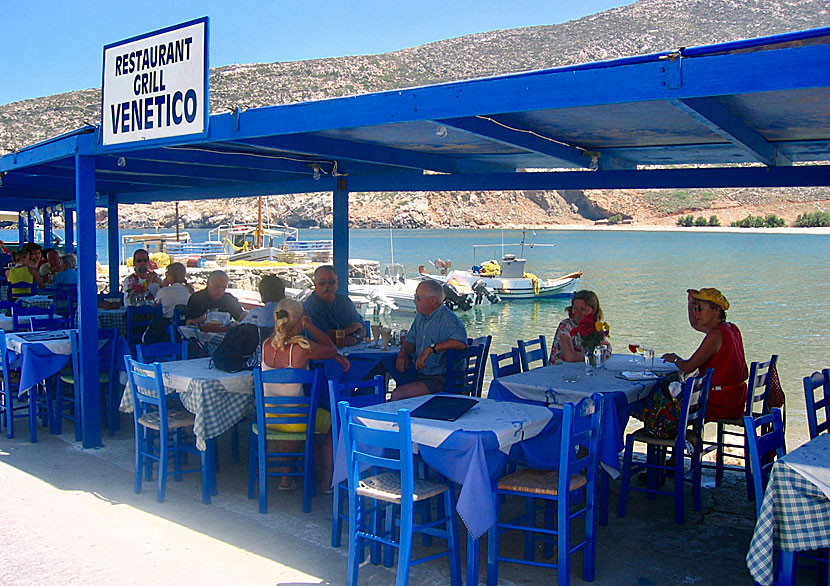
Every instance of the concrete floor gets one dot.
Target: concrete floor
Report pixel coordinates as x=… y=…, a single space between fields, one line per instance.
x=70 y=516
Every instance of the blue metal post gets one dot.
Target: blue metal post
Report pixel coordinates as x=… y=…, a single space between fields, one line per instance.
x=340 y=234
x=21 y=231
x=69 y=230
x=47 y=228
x=87 y=302
x=112 y=243
x=30 y=237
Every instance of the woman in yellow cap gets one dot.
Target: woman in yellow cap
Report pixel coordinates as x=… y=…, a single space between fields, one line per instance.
x=722 y=349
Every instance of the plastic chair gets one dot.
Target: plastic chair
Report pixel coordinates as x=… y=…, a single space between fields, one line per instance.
x=576 y=477
x=346 y=392
x=296 y=411
x=20 y=289
x=152 y=417
x=391 y=487
x=138 y=319
x=689 y=433
x=481 y=341
x=465 y=369
x=756 y=405
x=532 y=350
x=506 y=363
x=19 y=311
x=10 y=402
x=818 y=410
x=67 y=406
x=161 y=352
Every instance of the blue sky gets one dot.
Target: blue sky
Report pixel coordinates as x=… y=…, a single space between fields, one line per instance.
x=54 y=46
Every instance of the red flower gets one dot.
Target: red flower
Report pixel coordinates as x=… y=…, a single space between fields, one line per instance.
x=587 y=325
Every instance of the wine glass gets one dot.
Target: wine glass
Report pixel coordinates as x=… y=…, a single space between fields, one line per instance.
x=635 y=349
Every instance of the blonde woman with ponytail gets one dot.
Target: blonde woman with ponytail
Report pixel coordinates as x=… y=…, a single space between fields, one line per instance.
x=289 y=348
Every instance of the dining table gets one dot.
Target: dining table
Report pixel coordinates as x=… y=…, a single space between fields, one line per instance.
x=473 y=451
x=364 y=359
x=218 y=399
x=795 y=512
x=622 y=382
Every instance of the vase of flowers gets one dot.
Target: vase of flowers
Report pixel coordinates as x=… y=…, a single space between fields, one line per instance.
x=138 y=291
x=591 y=335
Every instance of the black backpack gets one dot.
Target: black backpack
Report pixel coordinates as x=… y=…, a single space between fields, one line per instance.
x=239 y=350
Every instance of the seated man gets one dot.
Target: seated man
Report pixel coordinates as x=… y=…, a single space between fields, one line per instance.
x=212 y=298
x=331 y=311
x=141 y=287
x=272 y=291
x=435 y=330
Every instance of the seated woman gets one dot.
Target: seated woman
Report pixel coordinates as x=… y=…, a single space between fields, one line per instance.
x=68 y=274
x=27 y=270
x=176 y=290
x=722 y=349
x=289 y=348
x=567 y=348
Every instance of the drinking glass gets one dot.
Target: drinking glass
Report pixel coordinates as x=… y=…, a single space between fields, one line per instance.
x=648 y=360
x=635 y=349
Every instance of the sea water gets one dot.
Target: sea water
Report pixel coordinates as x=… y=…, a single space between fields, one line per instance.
x=777 y=284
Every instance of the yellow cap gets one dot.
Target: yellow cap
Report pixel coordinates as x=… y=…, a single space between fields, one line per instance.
x=710 y=294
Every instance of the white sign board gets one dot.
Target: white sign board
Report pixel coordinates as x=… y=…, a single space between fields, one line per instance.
x=156 y=85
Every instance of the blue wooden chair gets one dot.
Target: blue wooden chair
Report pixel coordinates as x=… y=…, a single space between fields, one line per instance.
x=20 y=289
x=576 y=480
x=161 y=352
x=11 y=407
x=22 y=315
x=506 y=363
x=138 y=318
x=532 y=351
x=67 y=405
x=757 y=395
x=297 y=415
x=66 y=302
x=765 y=438
x=46 y=324
x=153 y=418
x=391 y=487
x=465 y=371
x=818 y=410
x=689 y=432
x=356 y=394
x=481 y=341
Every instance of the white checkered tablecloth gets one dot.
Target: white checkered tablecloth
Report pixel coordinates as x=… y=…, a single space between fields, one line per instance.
x=37 y=300
x=795 y=516
x=113 y=318
x=209 y=340
x=218 y=399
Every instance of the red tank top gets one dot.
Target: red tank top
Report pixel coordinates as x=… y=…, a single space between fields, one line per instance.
x=727 y=397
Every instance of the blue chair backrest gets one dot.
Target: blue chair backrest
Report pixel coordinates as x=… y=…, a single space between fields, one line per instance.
x=147 y=387
x=19 y=311
x=757 y=393
x=45 y=323
x=21 y=289
x=387 y=446
x=345 y=391
x=138 y=318
x=465 y=369
x=161 y=352
x=532 y=350
x=769 y=440
x=693 y=409
x=287 y=410
x=818 y=410
x=481 y=341
x=66 y=301
x=506 y=363
x=579 y=448
x=107 y=348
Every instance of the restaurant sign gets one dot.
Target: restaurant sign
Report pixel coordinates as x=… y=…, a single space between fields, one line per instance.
x=156 y=85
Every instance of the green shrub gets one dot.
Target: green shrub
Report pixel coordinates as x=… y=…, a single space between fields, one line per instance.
x=714 y=221
x=813 y=220
x=615 y=219
x=686 y=221
x=701 y=221
x=770 y=221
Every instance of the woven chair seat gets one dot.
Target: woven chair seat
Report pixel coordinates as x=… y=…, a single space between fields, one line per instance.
x=641 y=436
x=273 y=434
x=539 y=481
x=175 y=419
x=387 y=487
x=69 y=378
x=726 y=421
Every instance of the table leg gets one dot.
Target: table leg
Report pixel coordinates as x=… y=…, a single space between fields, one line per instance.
x=472 y=559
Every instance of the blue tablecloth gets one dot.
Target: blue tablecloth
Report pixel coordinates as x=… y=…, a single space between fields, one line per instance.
x=364 y=359
x=561 y=383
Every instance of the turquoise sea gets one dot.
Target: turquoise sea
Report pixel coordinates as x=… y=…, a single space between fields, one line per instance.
x=777 y=284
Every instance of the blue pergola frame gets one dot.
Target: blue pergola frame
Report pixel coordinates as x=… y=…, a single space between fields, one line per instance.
x=749 y=113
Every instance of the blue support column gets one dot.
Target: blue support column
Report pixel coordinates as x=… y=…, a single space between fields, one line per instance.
x=87 y=302
x=69 y=230
x=21 y=231
x=340 y=235
x=112 y=242
x=47 y=228
x=30 y=237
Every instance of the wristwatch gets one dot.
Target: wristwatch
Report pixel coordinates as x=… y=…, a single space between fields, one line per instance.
x=434 y=349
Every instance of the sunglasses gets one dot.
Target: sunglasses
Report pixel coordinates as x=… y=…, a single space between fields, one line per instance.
x=420 y=297
x=323 y=282
x=142 y=260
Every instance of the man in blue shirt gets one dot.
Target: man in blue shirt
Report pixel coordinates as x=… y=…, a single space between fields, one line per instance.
x=435 y=330
x=330 y=311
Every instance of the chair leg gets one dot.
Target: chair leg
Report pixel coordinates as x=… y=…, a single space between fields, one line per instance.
x=750 y=483
x=206 y=479
x=626 y=477
x=164 y=454
x=336 y=521
x=262 y=471
x=563 y=542
x=405 y=553
x=530 y=540
x=493 y=551
x=452 y=539
x=786 y=568
x=177 y=455
x=679 y=486
x=33 y=414
x=719 y=450
x=355 y=521
x=252 y=466
x=139 y=465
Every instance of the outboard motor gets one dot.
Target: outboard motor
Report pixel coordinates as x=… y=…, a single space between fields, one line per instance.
x=482 y=291
x=453 y=299
x=381 y=301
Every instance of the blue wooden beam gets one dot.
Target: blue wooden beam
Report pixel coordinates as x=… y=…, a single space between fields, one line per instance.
x=113 y=243
x=69 y=223
x=47 y=228
x=340 y=235
x=30 y=236
x=717 y=118
x=87 y=304
x=21 y=231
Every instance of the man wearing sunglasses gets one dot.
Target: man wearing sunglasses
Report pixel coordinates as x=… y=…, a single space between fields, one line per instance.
x=330 y=311
x=141 y=287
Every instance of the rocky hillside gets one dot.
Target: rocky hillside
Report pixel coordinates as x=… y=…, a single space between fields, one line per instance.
x=642 y=27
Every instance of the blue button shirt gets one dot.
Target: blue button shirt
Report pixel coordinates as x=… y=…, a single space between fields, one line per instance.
x=331 y=316
x=442 y=324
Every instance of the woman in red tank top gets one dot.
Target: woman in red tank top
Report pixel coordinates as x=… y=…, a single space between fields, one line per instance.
x=722 y=349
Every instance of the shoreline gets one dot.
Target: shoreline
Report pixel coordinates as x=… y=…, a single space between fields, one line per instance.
x=823 y=231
